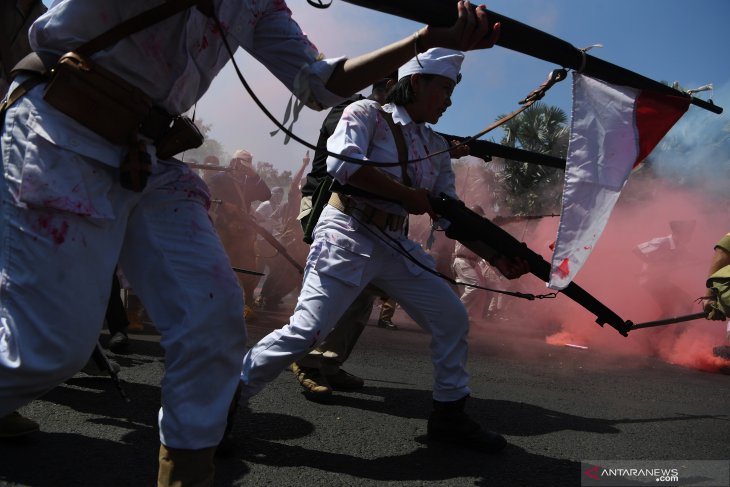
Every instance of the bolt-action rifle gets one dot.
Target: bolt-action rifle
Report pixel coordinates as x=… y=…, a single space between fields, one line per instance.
x=477 y=232
x=523 y=38
x=273 y=242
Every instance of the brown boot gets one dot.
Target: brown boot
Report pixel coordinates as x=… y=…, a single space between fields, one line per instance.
x=185 y=468
x=314 y=383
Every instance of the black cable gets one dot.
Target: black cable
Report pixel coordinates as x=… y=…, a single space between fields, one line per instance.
x=404 y=252
x=341 y=157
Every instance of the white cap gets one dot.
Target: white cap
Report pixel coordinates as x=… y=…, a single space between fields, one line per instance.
x=438 y=60
x=243 y=154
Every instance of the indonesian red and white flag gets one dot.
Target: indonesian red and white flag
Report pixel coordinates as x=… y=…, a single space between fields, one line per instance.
x=613 y=129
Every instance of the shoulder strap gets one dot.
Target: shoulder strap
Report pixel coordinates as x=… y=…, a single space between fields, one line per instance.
x=400 y=144
x=142 y=21
x=14 y=95
x=42 y=63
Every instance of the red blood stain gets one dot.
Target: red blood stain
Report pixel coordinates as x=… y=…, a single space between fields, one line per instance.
x=563 y=268
x=57 y=233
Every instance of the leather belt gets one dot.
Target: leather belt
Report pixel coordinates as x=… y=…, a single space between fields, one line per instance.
x=154 y=124
x=369 y=214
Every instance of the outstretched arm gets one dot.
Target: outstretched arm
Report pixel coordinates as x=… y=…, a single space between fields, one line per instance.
x=469 y=32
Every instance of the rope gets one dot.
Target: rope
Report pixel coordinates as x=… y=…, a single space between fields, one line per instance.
x=583 y=52
x=398 y=247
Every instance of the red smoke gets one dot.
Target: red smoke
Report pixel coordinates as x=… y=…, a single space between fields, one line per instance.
x=613 y=274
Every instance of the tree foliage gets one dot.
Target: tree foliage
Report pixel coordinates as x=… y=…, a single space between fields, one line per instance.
x=272 y=176
x=210 y=147
x=531 y=188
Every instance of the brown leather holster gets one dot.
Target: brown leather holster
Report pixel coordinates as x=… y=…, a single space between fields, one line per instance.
x=115 y=109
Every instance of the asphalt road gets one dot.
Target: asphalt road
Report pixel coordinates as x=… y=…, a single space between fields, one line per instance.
x=556 y=406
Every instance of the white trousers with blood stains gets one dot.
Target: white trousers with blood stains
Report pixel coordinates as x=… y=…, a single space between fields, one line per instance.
x=65 y=223
x=345 y=256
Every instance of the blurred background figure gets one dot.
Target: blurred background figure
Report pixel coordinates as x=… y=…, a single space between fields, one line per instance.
x=660 y=258
x=387 y=310
x=208 y=175
x=468 y=271
x=233 y=192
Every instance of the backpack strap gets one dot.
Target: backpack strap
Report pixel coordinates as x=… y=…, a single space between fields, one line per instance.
x=400 y=144
x=140 y=22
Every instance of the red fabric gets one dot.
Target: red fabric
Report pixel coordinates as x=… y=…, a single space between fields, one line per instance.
x=655 y=115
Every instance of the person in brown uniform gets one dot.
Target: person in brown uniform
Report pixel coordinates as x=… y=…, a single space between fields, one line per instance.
x=233 y=192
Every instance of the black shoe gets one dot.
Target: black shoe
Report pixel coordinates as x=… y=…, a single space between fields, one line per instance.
x=387 y=324
x=119 y=342
x=344 y=381
x=450 y=424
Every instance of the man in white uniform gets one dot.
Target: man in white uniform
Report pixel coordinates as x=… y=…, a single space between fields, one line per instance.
x=361 y=240
x=66 y=221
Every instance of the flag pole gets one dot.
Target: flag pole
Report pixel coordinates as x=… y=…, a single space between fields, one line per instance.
x=523 y=38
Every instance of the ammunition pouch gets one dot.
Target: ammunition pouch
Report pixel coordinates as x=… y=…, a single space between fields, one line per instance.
x=115 y=109
x=181 y=136
x=96 y=98
x=118 y=111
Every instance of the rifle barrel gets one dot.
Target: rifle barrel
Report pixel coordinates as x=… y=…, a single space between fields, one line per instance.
x=246 y=271
x=485 y=149
x=669 y=321
x=528 y=40
x=208 y=167
x=486 y=231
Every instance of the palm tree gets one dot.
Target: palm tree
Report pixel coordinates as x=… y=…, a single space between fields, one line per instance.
x=530 y=188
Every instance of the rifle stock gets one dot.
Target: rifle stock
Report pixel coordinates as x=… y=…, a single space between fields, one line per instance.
x=528 y=40
x=273 y=242
x=467 y=222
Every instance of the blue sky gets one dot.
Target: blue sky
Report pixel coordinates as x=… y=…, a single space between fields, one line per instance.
x=661 y=39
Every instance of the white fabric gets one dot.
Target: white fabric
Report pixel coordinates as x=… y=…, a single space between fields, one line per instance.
x=244 y=155
x=437 y=60
x=343 y=259
x=66 y=222
x=602 y=150
x=347 y=255
x=612 y=129
x=264 y=211
x=475 y=300
x=363 y=133
x=175 y=61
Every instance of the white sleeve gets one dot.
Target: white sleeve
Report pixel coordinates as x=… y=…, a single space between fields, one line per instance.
x=352 y=137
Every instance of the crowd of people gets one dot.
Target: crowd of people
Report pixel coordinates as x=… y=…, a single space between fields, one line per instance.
x=82 y=197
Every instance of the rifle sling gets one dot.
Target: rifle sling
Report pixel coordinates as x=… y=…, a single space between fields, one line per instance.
x=140 y=22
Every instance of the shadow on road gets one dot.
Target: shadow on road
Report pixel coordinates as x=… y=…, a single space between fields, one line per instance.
x=429 y=462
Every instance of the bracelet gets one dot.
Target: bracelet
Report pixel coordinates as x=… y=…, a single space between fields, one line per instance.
x=417 y=47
